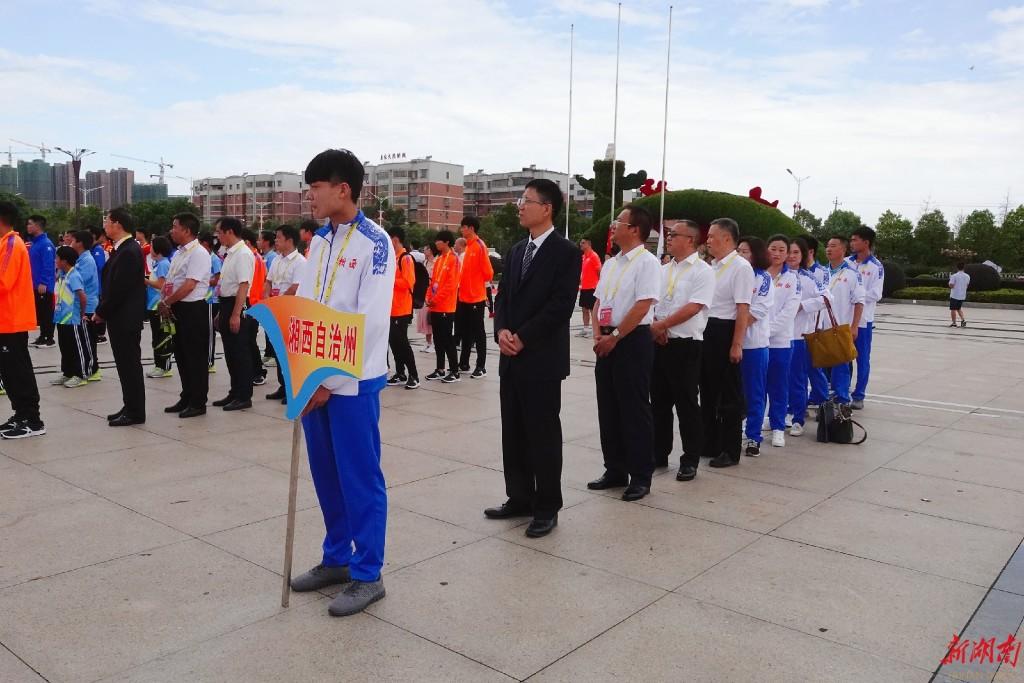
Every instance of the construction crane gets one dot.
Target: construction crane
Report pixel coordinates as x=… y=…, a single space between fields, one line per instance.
x=162 y=164
x=11 y=153
x=43 y=149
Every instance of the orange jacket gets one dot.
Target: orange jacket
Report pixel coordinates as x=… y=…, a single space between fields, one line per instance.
x=259 y=276
x=476 y=272
x=17 y=300
x=444 y=284
x=405 y=280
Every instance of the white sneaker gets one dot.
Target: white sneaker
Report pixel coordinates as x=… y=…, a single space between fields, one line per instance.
x=75 y=382
x=789 y=420
x=429 y=348
x=766 y=425
x=59 y=380
x=796 y=430
x=778 y=438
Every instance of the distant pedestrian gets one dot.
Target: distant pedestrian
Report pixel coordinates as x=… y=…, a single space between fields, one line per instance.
x=958 y=283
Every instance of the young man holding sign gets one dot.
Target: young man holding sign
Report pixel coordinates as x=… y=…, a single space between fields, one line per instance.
x=351 y=268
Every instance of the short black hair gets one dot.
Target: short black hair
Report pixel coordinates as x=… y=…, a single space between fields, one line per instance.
x=120 y=215
x=189 y=221
x=309 y=225
x=730 y=226
x=812 y=242
x=960 y=265
x=85 y=237
x=290 y=233
x=336 y=166
x=549 y=193
x=67 y=254
x=471 y=222
x=805 y=253
x=38 y=220
x=267 y=235
x=779 y=237
x=161 y=245
x=230 y=224
x=249 y=235
x=641 y=219
x=866 y=234
x=445 y=236
x=759 y=258
x=842 y=238
x=208 y=239
x=96 y=232
x=146 y=232
x=9 y=215
x=399 y=232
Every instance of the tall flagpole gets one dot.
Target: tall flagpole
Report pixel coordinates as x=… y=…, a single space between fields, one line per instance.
x=664 y=140
x=568 y=147
x=615 y=120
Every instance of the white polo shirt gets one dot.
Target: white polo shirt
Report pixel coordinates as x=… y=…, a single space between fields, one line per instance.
x=734 y=284
x=351 y=268
x=819 y=273
x=285 y=271
x=812 y=300
x=626 y=279
x=239 y=266
x=762 y=299
x=960 y=280
x=783 y=314
x=872 y=277
x=190 y=262
x=686 y=282
x=847 y=291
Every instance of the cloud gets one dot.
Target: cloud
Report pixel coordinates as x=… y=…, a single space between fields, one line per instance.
x=1005 y=45
x=1008 y=15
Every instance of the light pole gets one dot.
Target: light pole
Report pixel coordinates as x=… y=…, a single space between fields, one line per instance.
x=245 y=175
x=796 y=205
x=76 y=166
x=263 y=205
x=85 y=192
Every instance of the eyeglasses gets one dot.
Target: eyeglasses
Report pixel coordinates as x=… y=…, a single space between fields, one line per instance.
x=672 y=235
x=617 y=223
x=523 y=201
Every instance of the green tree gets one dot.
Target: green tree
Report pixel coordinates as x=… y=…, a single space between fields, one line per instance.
x=601 y=184
x=979 y=234
x=808 y=221
x=579 y=225
x=158 y=214
x=1010 y=253
x=932 y=236
x=840 y=222
x=24 y=209
x=501 y=229
x=394 y=217
x=895 y=237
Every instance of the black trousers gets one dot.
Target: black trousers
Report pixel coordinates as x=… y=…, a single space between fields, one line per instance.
x=237 y=354
x=163 y=345
x=675 y=384
x=444 y=342
x=721 y=391
x=624 y=407
x=470 y=319
x=126 y=345
x=94 y=334
x=401 y=350
x=252 y=329
x=44 y=314
x=18 y=377
x=75 y=358
x=214 y=310
x=193 y=328
x=531 y=443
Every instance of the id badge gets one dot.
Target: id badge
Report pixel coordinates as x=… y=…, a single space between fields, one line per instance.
x=274 y=291
x=604 y=317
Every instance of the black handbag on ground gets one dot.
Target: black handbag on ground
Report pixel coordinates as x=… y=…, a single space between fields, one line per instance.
x=835 y=423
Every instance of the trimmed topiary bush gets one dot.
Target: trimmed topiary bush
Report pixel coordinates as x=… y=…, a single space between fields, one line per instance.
x=917 y=270
x=894 y=278
x=983 y=278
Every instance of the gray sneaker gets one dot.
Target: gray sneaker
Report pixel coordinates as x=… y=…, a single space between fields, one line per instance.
x=857 y=404
x=355 y=597
x=320 y=577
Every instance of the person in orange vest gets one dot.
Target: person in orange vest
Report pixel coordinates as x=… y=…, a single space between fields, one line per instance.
x=441 y=300
x=17 y=302
x=476 y=273
x=259 y=373
x=401 y=314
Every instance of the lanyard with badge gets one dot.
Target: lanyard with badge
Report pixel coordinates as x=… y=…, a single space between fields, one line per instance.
x=337 y=264
x=724 y=265
x=676 y=274
x=605 y=314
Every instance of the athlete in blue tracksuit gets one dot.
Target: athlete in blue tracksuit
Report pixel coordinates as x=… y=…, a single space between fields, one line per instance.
x=872 y=275
x=754 y=365
x=786 y=288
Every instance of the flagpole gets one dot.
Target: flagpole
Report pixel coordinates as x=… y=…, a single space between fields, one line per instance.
x=615 y=119
x=568 y=147
x=664 y=139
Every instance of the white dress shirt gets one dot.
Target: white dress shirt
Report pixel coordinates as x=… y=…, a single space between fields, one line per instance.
x=734 y=284
x=847 y=291
x=285 y=271
x=190 y=262
x=239 y=266
x=686 y=282
x=787 y=303
x=626 y=279
x=872 y=277
x=762 y=298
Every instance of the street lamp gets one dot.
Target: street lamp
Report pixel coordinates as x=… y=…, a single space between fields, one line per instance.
x=76 y=166
x=85 y=192
x=796 y=205
x=262 y=205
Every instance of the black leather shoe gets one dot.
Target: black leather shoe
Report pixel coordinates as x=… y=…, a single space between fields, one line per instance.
x=124 y=421
x=114 y=416
x=686 y=473
x=192 y=412
x=724 y=460
x=635 y=492
x=238 y=405
x=506 y=511
x=176 y=408
x=541 y=527
x=221 y=402
x=277 y=395
x=607 y=481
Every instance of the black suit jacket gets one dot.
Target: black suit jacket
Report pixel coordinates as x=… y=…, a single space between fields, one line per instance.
x=538 y=308
x=123 y=295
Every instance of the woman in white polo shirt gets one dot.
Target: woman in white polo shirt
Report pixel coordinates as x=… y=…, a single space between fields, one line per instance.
x=755 y=341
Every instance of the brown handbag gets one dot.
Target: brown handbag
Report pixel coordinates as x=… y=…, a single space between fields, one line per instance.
x=831 y=347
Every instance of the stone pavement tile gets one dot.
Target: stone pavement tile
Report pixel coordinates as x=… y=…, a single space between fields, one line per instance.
x=216 y=421
x=743 y=503
x=976 y=443
x=460 y=498
x=969 y=553
x=873 y=452
x=1012 y=578
x=139 y=467
x=799 y=470
x=402 y=466
x=666 y=642
x=889 y=409
x=262 y=444
x=305 y=644
x=96 y=621
x=215 y=502
x=894 y=613
x=900 y=432
x=509 y=607
x=59 y=538
x=581 y=464
x=998 y=617
x=984 y=505
x=970 y=389
x=397 y=423
x=641 y=543
x=480 y=406
x=24 y=489
x=13 y=670
x=1009 y=426
x=466 y=443
x=976 y=468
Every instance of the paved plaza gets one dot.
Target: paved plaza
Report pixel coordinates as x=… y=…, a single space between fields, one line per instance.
x=154 y=553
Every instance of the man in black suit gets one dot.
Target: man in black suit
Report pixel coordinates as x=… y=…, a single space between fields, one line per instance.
x=531 y=322
x=123 y=308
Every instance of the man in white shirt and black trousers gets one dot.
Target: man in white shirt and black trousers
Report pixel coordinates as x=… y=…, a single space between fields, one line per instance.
x=721 y=384
x=235 y=280
x=680 y=316
x=625 y=296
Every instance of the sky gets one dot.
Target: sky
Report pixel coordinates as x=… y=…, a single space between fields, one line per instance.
x=883 y=104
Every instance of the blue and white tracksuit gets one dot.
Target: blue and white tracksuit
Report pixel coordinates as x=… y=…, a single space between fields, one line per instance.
x=754 y=366
x=786 y=302
x=872 y=276
x=847 y=293
x=812 y=297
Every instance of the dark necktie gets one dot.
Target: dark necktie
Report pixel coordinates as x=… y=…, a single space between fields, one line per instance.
x=528 y=257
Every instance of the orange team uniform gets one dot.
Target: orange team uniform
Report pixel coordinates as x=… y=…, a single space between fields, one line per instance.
x=17 y=300
x=259 y=277
x=405 y=280
x=476 y=273
x=444 y=283
x=591 y=271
